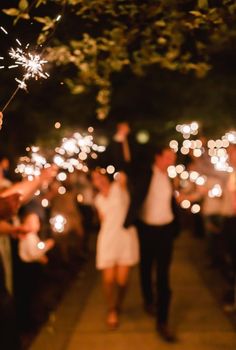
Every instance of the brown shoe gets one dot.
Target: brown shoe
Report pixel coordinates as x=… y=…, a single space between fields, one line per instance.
x=166 y=333
x=150 y=309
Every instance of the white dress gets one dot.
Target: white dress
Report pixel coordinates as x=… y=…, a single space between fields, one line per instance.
x=116 y=245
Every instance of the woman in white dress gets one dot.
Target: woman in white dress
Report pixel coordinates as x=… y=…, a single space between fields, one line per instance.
x=117 y=246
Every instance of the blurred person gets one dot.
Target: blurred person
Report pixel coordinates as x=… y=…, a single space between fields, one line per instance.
x=204 y=167
x=70 y=240
x=229 y=212
x=5 y=243
x=10 y=201
x=153 y=206
x=32 y=254
x=4 y=165
x=85 y=205
x=211 y=213
x=26 y=188
x=117 y=246
x=33 y=217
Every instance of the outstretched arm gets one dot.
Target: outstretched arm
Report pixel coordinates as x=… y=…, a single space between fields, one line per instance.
x=27 y=188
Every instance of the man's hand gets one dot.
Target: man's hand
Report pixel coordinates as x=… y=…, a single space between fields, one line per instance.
x=48 y=174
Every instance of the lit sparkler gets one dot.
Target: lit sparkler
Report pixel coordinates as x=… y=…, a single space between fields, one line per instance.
x=71 y=155
x=230 y=137
x=41 y=245
x=215 y=191
x=217 y=150
x=188 y=129
x=31 y=62
x=30 y=166
x=58 y=223
x=74 y=151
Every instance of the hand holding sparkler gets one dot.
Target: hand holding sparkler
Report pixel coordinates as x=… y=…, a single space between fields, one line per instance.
x=27 y=188
x=48 y=174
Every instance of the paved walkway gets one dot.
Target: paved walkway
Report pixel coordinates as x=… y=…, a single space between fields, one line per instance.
x=198 y=319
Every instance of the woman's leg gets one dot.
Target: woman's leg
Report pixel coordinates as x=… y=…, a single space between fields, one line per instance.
x=109 y=281
x=122 y=276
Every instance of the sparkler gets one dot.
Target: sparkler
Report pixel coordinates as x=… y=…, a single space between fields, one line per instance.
x=74 y=151
x=215 y=191
x=30 y=62
x=188 y=129
x=41 y=245
x=58 y=223
x=30 y=166
x=217 y=151
x=33 y=65
x=71 y=155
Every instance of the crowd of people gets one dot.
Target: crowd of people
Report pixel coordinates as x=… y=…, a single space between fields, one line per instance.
x=139 y=215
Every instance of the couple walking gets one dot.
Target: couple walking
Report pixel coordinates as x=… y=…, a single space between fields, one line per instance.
x=118 y=246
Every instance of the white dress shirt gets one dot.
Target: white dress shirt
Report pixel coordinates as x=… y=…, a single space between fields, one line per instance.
x=156 y=209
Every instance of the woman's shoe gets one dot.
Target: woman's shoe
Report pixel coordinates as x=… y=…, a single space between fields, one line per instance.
x=112 y=320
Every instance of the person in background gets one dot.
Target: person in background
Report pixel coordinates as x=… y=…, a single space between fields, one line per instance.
x=229 y=213
x=85 y=205
x=10 y=201
x=69 y=241
x=29 y=263
x=5 y=242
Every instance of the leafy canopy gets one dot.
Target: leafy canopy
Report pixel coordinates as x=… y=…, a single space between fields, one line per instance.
x=100 y=37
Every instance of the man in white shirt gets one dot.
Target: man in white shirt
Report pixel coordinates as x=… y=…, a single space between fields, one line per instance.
x=156 y=234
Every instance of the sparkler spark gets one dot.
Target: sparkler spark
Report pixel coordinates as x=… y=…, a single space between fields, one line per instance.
x=21 y=84
x=71 y=155
x=4 y=30
x=74 y=151
x=32 y=63
x=30 y=166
